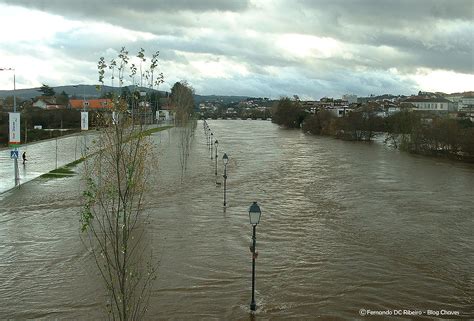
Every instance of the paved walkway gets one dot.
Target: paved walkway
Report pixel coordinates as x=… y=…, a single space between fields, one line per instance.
x=42 y=157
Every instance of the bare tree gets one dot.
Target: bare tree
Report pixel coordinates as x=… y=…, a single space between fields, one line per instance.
x=113 y=217
x=182 y=99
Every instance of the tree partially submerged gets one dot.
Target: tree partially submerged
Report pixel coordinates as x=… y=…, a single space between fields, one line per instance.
x=113 y=217
x=182 y=100
x=288 y=113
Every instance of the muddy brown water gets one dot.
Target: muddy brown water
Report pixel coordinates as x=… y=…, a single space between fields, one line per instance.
x=345 y=226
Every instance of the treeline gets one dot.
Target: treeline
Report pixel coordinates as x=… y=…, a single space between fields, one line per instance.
x=414 y=132
x=221 y=112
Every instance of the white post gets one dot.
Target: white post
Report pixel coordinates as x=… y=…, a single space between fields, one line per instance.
x=17 y=173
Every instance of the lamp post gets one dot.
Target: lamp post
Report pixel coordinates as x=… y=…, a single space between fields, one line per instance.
x=216 y=143
x=225 y=159
x=254 y=215
x=14 y=86
x=212 y=143
x=14 y=129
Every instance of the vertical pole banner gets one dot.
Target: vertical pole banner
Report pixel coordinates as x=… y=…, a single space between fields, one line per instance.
x=14 y=128
x=84 y=120
x=114 y=118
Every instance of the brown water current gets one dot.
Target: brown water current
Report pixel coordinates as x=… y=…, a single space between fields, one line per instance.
x=345 y=226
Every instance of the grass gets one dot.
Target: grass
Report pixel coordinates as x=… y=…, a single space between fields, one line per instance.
x=154 y=130
x=67 y=170
x=58 y=173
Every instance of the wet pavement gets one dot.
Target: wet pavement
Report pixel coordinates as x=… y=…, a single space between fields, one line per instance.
x=42 y=157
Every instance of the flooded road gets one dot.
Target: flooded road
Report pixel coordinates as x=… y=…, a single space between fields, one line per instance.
x=345 y=226
x=42 y=157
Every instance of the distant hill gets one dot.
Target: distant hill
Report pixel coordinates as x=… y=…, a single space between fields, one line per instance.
x=87 y=91
x=213 y=98
x=90 y=91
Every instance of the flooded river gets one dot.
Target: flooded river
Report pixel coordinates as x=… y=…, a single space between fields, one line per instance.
x=345 y=226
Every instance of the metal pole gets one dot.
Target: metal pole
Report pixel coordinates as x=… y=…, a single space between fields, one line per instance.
x=56 y=152
x=225 y=180
x=75 y=150
x=14 y=91
x=253 y=305
x=212 y=144
x=216 y=163
x=17 y=173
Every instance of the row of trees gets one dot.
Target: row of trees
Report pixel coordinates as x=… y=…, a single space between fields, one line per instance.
x=438 y=136
x=221 y=112
x=414 y=132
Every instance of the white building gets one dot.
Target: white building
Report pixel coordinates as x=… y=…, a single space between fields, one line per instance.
x=339 y=111
x=432 y=104
x=466 y=104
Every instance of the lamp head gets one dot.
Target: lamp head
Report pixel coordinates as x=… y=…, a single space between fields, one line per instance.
x=254 y=213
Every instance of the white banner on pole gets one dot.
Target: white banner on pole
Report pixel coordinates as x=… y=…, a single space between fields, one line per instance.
x=114 y=118
x=84 y=120
x=15 y=137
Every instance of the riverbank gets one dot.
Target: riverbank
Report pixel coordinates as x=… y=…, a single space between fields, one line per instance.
x=416 y=132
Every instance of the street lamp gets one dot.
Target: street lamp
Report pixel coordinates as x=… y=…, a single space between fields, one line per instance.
x=212 y=143
x=14 y=86
x=254 y=215
x=225 y=159
x=216 y=143
x=14 y=129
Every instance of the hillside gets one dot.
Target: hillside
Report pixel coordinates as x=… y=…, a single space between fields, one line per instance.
x=87 y=91
x=90 y=91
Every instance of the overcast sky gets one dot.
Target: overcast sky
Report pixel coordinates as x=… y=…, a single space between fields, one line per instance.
x=267 y=48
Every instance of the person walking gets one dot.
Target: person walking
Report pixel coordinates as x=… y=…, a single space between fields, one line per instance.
x=24 y=157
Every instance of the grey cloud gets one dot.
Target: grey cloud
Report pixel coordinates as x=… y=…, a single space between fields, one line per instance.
x=307 y=85
x=426 y=33
x=391 y=12
x=94 y=7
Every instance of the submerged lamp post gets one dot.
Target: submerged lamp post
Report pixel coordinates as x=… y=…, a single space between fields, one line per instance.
x=212 y=143
x=216 y=143
x=254 y=215
x=225 y=159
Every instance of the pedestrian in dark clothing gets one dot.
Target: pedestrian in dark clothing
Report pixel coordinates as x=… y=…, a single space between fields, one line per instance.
x=24 y=157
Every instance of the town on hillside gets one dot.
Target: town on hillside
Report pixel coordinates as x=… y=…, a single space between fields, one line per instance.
x=455 y=105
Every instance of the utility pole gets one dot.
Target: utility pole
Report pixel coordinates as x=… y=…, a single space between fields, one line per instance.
x=14 y=130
